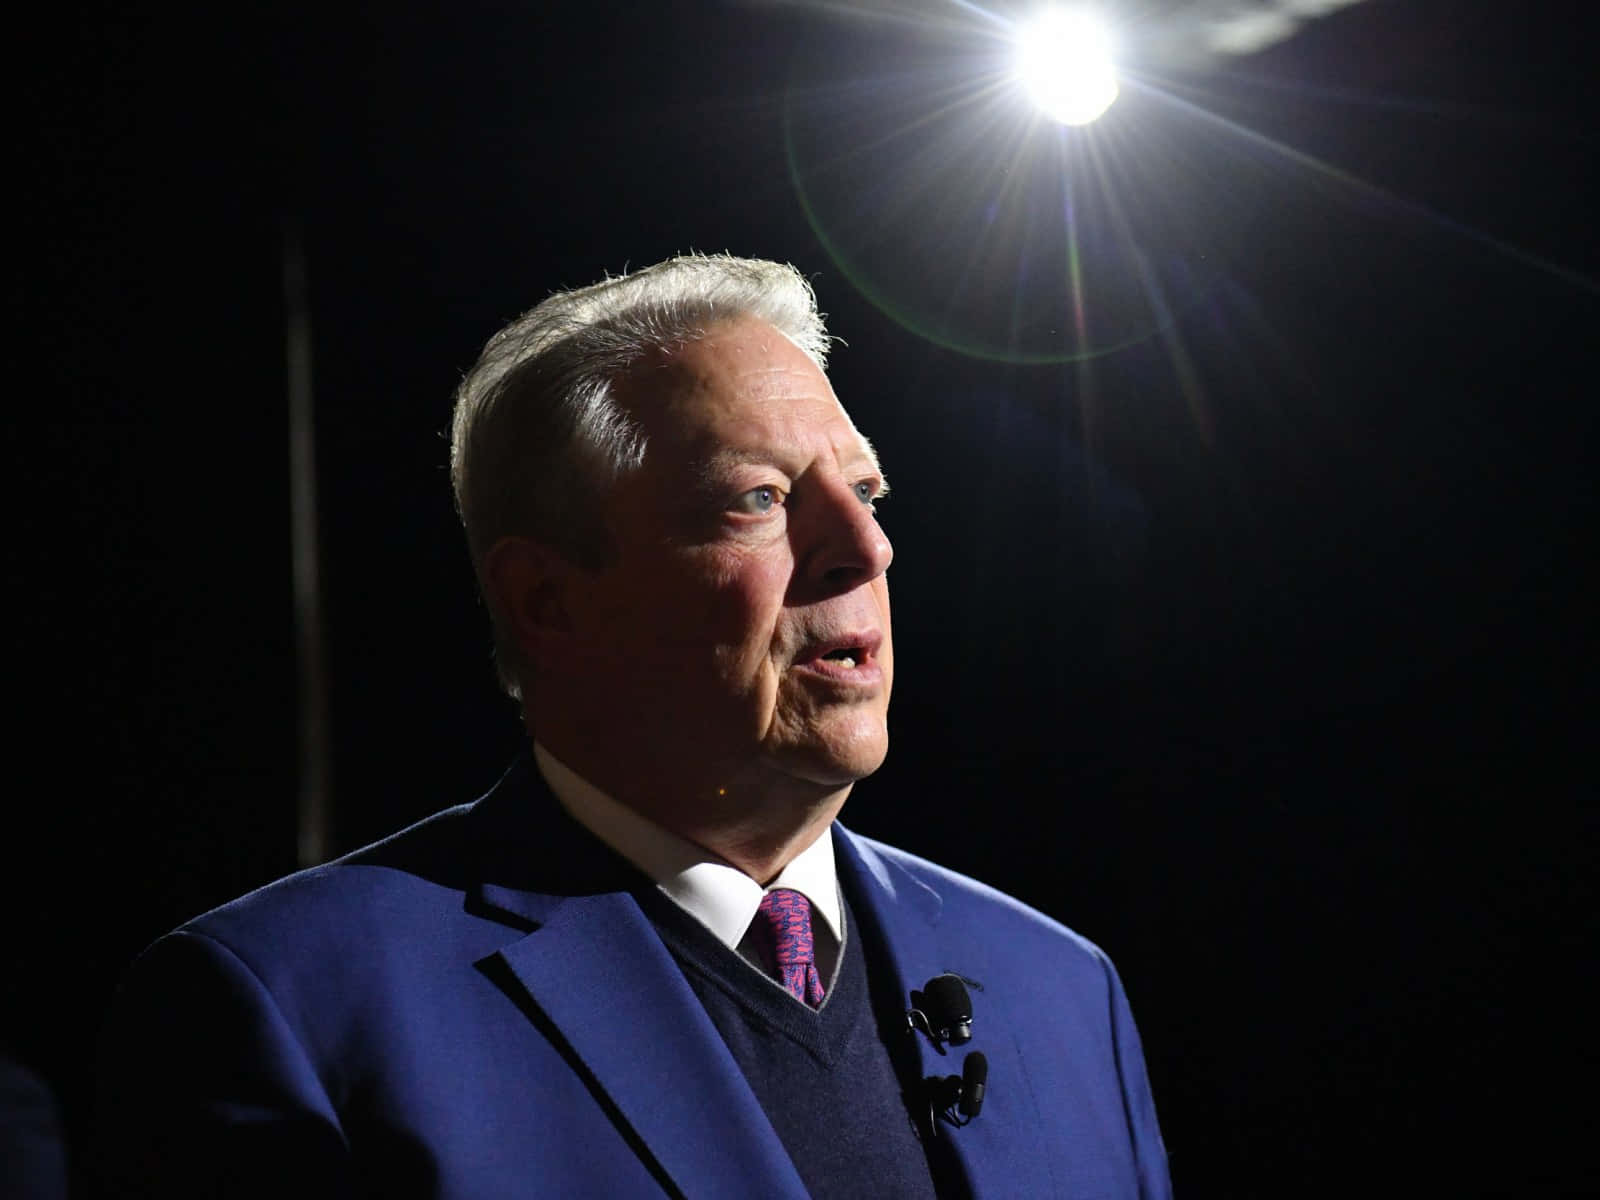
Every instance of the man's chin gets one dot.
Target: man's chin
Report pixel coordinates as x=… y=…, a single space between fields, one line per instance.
x=834 y=764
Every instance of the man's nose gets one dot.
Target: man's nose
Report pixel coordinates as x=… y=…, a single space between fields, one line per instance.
x=845 y=546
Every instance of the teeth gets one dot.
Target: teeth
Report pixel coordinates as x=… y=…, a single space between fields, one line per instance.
x=845 y=661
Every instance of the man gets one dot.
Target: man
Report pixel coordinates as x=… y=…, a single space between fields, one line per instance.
x=649 y=960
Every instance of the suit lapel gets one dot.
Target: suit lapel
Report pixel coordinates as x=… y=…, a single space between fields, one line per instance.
x=591 y=965
x=995 y=1148
x=596 y=967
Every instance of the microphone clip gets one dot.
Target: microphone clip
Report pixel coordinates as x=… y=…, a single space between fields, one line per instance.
x=957 y=1099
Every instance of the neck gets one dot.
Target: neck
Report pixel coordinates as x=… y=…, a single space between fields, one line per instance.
x=760 y=849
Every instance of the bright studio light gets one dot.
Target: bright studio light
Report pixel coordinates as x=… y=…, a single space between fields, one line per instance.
x=1064 y=62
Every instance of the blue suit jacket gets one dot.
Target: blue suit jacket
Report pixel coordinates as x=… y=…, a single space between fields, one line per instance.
x=477 y=1007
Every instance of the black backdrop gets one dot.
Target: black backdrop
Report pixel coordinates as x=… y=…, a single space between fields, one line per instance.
x=1284 y=700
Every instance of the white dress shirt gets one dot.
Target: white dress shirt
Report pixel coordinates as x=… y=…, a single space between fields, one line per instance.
x=715 y=893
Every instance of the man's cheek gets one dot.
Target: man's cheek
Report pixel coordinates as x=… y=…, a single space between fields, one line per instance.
x=742 y=611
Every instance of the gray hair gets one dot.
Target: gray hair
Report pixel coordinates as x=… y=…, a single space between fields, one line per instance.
x=538 y=436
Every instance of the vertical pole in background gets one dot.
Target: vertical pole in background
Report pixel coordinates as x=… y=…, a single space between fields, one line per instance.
x=312 y=839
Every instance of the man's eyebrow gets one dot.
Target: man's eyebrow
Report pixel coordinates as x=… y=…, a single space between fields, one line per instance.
x=871 y=456
x=726 y=458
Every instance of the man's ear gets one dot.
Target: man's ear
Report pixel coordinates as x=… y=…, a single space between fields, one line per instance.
x=529 y=586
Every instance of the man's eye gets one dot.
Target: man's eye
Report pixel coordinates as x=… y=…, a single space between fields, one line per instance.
x=759 y=500
x=867 y=492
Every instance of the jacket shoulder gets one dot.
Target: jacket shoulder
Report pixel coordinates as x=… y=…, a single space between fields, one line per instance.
x=970 y=907
x=419 y=855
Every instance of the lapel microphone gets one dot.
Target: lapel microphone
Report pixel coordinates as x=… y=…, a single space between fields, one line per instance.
x=962 y=1093
x=942 y=1012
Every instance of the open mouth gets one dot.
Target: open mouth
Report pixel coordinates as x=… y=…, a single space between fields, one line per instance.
x=854 y=651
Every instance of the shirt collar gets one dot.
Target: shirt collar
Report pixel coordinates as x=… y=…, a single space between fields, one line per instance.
x=718 y=895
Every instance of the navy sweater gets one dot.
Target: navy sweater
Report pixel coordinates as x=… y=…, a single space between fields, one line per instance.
x=825 y=1078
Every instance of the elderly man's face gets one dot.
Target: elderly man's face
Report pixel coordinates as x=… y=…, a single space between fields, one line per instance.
x=744 y=627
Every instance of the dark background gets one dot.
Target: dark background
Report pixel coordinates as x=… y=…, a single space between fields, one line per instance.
x=1283 y=697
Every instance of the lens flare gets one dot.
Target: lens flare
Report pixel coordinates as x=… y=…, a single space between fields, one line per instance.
x=1064 y=63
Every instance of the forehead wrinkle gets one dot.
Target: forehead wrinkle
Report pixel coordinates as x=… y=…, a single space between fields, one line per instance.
x=682 y=377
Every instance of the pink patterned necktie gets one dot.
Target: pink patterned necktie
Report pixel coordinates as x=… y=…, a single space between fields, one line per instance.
x=783 y=932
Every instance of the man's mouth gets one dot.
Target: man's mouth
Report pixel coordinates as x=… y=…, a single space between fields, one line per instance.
x=847 y=652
